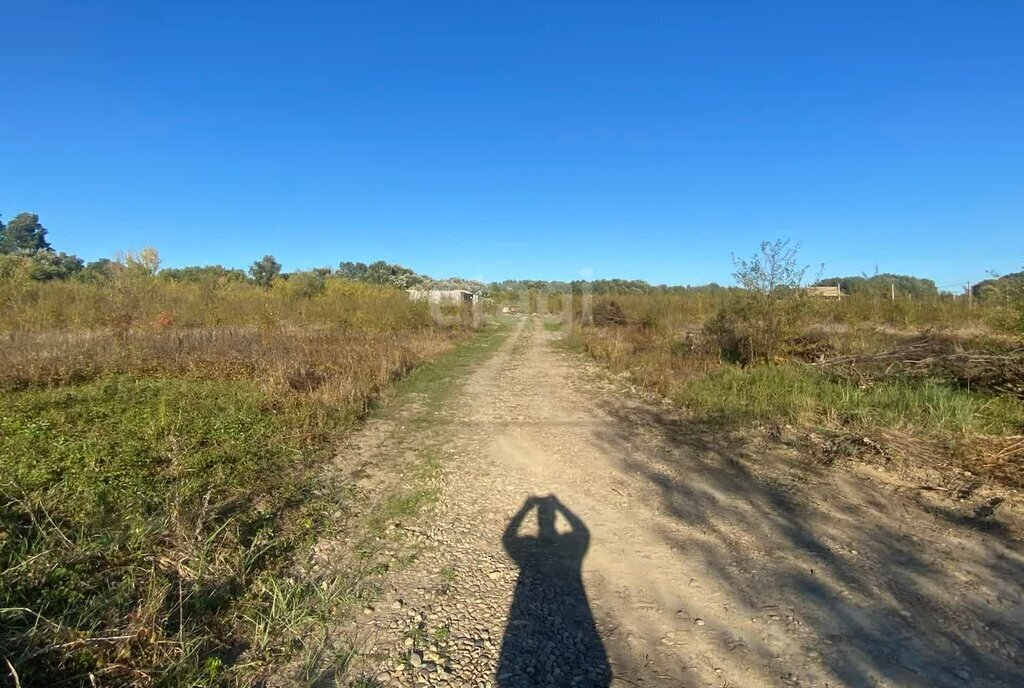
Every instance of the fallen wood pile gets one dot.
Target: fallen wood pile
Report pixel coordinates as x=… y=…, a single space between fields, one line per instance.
x=929 y=356
x=1003 y=459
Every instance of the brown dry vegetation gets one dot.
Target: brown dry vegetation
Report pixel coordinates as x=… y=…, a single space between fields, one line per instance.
x=937 y=382
x=336 y=366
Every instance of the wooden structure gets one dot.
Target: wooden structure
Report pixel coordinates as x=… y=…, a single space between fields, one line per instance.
x=833 y=292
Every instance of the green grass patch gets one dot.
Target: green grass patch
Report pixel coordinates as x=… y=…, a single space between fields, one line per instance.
x=802 y=395
x=407 y=504
x=150 y=513
x=553 y=325
x=442 y=634
x=431 y=382
x=430 y=386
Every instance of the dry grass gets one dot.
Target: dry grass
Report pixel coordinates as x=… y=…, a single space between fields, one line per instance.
x=132 y=301
x=953 y=385
x=327 y=365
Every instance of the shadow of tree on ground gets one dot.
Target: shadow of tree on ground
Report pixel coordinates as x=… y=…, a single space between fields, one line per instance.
x=881 y=591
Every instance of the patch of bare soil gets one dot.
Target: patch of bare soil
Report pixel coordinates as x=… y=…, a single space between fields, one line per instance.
x=584 y=538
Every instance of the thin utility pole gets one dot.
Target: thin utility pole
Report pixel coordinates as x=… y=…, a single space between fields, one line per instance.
x=892 y=291
x=970 y=297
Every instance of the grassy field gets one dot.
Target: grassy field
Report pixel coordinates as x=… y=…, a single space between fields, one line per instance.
x=164 y=472
x=940 y=372
x=796 y=394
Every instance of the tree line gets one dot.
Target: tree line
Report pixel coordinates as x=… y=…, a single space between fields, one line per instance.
x=883 y=285
x=23 y=243
x=1002 y=287
x=24 y=246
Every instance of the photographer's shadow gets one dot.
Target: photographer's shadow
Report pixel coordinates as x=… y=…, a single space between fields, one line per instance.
x=551 y=639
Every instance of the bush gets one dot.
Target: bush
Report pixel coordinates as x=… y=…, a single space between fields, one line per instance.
x=755 y=323
x=756 y=328
x=301 y=285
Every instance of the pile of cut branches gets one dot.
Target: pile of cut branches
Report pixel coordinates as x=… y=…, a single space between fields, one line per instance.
x=934 y=357
x=1002 y=458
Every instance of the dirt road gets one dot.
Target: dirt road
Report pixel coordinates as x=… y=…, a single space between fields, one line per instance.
x=587 y=539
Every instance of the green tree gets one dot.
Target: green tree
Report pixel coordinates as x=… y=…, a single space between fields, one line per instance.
x=306 y=284
x=98 y=270
x=144 y=262
x=773 y=271
x=883 y=285
x=383 y=273
x=265 y=271
x=353 y=271
x=23 y=234
x=391 y=275
x=203 y=274
x=50 y=265
x=999 y=288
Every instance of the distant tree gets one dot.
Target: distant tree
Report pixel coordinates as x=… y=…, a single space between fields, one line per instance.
x=203 y=274
x=98 y=270
x=383 y=273
x=265 y=271
x=509 y=288
x=855 y=284
x=145 y=262
x=1014 y=296
x=1006 y=291
x=353 y=271
x=452 y=283
x=999 y=287
x=883 y=285
x=50 y=265
x=390 y=275
x=23 y=234
x=771 y=271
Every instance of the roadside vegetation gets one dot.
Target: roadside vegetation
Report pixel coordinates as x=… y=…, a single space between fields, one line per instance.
x=933 y=379
x=167 y=444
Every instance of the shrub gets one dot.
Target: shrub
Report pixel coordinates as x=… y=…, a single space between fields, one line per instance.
x=754 y=327
x=755 y=323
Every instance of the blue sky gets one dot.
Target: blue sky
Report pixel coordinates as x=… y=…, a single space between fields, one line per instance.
x=541 y=139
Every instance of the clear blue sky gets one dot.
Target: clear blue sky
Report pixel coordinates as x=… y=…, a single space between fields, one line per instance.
x=522 y=139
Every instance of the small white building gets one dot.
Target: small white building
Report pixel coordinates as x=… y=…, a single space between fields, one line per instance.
x=443 y=295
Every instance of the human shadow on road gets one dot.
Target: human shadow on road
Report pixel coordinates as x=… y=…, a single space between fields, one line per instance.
x=551 y=638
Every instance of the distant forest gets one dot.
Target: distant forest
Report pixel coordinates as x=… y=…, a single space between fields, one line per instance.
x=883 y=285
x=25 y=248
